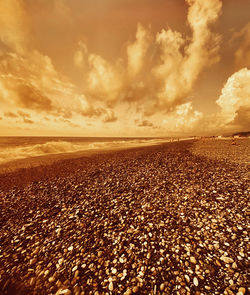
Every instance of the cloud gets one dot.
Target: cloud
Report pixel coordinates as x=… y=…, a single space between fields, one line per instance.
x=109 y=117
x=32 y=82
x=242 y=118
x=23 y=114
x=137 y=51
x=104 y=81
x=183 y=60
x=144 y=123
x=20 y=114
x=10 y=115
x=156 y=75
x=184 y=118
x=242 y=54
x=234 y=100
x=81 y=54
x=14 y=31
x=68 y=122
x=162 y=71
x=28 y=78
x=28 y=121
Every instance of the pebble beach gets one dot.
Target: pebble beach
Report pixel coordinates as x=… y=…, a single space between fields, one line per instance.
x=166 y=219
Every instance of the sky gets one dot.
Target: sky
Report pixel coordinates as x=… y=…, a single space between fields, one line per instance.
x=124 y=67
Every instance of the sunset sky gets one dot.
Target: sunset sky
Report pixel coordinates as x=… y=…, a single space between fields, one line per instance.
x=124 y=67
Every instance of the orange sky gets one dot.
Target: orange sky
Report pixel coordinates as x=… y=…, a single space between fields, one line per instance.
x=124 y=67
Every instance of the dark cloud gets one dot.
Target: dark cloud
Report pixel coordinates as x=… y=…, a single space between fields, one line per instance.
x=144 y=123
x=23 y=114
x=30 y=97
x=10 y=115
x=28 y=121
x=242 y=119
x=70 y=123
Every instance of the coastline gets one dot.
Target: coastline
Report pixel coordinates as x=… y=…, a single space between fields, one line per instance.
x=47 y=159
x=151 y=219
x=24 y=171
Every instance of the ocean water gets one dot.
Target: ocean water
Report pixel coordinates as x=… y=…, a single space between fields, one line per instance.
x=14 y=148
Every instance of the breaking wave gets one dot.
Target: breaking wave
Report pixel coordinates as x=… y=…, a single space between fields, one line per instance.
x=8 y=154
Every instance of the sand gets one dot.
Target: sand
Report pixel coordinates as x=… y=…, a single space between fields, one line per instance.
x=169 y=219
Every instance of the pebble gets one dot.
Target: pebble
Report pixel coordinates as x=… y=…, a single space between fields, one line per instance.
x=111 y=286
x=187 y=278
x=70 y=248
x=63 y=292
x=142 y=222
x=226 y=259
x=241 y=291
x=135 y=289
x=114 y=271
x=51 y=279
x=195 y=281
x=128 y=292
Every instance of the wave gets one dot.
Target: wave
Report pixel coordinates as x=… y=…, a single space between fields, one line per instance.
x=56 y=147
x=52 y=147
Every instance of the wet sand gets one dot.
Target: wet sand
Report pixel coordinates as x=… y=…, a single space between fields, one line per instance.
x=168 y=219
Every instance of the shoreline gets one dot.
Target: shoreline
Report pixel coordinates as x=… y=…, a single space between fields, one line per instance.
x=24 y=171
x=152 y=220
x=46 y=159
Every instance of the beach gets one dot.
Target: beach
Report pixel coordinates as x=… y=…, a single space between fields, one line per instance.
x=164 y=219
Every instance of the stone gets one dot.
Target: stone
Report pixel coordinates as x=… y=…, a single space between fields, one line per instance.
x=195 y=281
x=241 y=291
x=51 y=279
x=70 y=248
x=111 y=286
x=63 y=292
x=135 y=289
x=193 y=260
x=187 y=278
x=128 y=292
x=114 y=271
x=32 y=281
x=226 y=259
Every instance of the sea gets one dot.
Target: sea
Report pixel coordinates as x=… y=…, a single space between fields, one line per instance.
x=15 y=148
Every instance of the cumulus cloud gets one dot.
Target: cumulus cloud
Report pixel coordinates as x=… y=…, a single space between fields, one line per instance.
x=184 y=118
x=32 y=82
x=28 y=78
x=80 y=56
x=104 y=82
x=137 y=51
x=183 y=60
x=154 y=77
x=234 y=100
x=160 y=72
x=150 y=81
x=109 y=117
